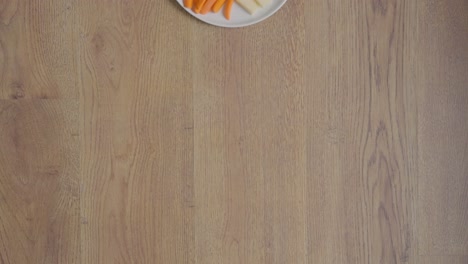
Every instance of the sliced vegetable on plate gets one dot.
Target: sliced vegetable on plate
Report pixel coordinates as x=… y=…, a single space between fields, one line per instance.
x=217 y=6
x=228 y=8
x=205 y=6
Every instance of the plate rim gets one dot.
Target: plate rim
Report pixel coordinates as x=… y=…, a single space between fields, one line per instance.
x=273 y=11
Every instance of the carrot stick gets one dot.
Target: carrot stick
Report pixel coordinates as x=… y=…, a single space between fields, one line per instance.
x=228 y=8
x=217 y=6
x=207 y=7
x=198 y=7
x=188 y=3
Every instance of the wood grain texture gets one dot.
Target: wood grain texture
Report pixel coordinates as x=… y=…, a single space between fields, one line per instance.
x=249 y=143
x=37 y=49
x=443 y=128
x=333 y=132
x=137 y=133
x=442 y=259
x=362 y=131
x=39 y=184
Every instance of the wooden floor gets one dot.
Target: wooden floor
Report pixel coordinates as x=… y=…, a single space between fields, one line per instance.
x=334 y=132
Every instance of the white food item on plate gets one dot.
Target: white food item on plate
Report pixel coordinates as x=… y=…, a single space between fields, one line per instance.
x=249 y=5
x=263 y=3
x=239 y=17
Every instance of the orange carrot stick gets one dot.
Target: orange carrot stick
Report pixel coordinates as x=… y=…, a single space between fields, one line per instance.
x=188 y=3
x=217 y=6
x=198 y=7
x=228 y=9
x=207 y=7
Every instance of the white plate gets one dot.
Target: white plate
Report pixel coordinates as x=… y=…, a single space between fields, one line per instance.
x=239 y=17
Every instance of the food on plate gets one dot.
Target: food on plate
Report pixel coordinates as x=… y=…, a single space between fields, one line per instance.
x=228 y=8
x=263 y=3
x=217 y=6
x=205 y=6
x=188 y=3
x=198 y=5
x=249 y=5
